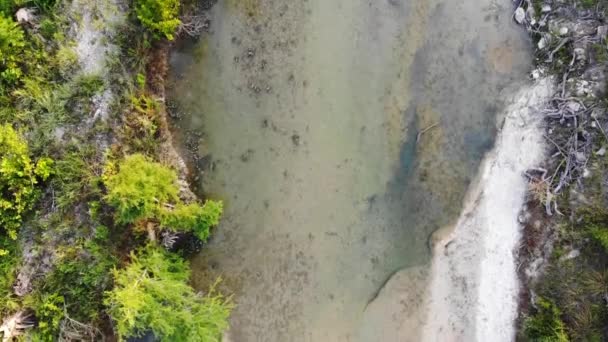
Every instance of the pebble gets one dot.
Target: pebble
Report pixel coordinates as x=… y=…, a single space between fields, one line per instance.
x=545 y=9
x=563 y=31
x=520 y=15
x=542 y=43
x=571 y=255
x=580 y=157
x=601 y=152
x=586 y=173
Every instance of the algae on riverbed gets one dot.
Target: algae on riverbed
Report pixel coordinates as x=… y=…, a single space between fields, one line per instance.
x=304 y=119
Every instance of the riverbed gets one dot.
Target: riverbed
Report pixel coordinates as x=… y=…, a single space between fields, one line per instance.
x=340 y=135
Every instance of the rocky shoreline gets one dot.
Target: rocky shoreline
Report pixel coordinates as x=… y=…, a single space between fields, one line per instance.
x=562 y=219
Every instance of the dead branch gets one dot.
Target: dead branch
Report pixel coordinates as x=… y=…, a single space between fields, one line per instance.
x=15 y=325
x=194 y=25
x=426 y=130
x=73 y=330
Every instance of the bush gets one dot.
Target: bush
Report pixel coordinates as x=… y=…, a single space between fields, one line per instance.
x=139 y=188
x=159 y=16
x=8 y=267
x=152 y=294
x=18 y=177
x=6 y=7
x=601 y=236
x=546 y=325
x=12 y=43
x=193 y=217
x=142 y=190
x=49 y=313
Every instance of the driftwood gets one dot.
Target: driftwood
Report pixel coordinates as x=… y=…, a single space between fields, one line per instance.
x=15 y=325
x=425 y=130
x=193 y=25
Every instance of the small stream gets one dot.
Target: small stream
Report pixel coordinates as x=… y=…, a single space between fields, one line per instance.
x=304 y=118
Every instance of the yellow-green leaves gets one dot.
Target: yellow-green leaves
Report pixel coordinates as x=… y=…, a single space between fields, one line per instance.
x=159 y=16
x=12 y=42
x=143 y=190
x=139 y=188
x=152 y=293
x=18 y=179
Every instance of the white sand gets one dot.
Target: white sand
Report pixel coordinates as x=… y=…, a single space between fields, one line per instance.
x=473 y=283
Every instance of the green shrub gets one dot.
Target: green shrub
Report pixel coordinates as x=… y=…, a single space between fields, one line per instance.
x=601 y=236
x=12 y=43
x=8 y=266
x=142 y=190
x=546 y=325
x=152 y=293
x=139 y=188
x=6 y=7
x=18 y=179
x=81 y=277
x=49 y=313
x=141 y=124
x=193 y=217
x=159 y=16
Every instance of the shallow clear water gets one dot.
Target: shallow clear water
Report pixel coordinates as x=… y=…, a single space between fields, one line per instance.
x=304 y=118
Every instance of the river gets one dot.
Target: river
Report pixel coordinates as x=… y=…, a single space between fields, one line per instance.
x=340 y=135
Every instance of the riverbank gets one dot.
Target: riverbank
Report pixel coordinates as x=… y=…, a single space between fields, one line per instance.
x=96 y=213
x=473 y=291
x=563 y=259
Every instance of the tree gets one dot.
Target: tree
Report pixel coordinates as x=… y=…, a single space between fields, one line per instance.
x=143 y=191
x=152 y=294
x=18 y=179
x=159 y=16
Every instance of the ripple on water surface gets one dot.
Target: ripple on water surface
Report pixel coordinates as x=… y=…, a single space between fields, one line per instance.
x=304 y=117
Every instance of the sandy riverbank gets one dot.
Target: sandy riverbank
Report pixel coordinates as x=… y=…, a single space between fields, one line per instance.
x=474 y=286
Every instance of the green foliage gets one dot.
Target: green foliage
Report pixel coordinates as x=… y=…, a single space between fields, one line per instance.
x=49 y=313
x=601 y=236
x=6 y=7
x=75 y=177
x=141 y=124
x=152 y=293
x=12 y=43
x=193 y=217
x=142 y=190
x=44 y=5
x=18 y=178
x=80 y=277
x=159 y=16
x=74 y=287
x=48 y=28
x=546 y=325
x=8 y=266
x=139 y=188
